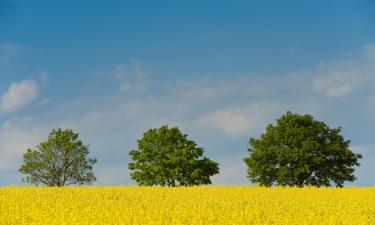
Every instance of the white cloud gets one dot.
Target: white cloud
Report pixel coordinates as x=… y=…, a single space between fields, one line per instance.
x=237 y=121
x=19 y=95
x=343 y=78
x=16 y=136
x=233 y=172
x=338 y=80
x=117 y=175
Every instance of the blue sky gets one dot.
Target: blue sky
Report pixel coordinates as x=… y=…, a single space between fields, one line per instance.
x=220 y=70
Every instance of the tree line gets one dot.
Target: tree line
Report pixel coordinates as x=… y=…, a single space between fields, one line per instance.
x=296 y=151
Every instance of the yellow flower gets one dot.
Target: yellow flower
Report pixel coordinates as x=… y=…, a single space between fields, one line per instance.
x=186 y=205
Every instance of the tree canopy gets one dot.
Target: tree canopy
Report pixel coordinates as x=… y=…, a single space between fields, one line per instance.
x=300 y=151
x=166 y=157
x=61 y=160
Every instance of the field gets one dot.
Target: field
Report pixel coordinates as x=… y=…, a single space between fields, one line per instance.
x=193 y=205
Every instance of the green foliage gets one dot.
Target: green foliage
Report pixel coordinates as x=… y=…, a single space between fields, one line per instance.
x=61 y=160
x=300 y=151
x=166 y=157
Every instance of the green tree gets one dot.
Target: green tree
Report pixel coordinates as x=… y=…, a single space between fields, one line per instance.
x=300 y=151
x=61 y=160
x=166 y=157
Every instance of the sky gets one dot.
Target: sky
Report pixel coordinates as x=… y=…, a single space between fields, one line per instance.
x=219 y=70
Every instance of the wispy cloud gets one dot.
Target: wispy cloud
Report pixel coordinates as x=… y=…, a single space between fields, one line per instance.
x=237 y=121
x=43 y=77
x=369 y=52
x=342 y=78
x=132 y=77
x=17 y=135
x=8 y=51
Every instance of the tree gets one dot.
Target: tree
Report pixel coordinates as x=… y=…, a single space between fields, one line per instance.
x=166 y=157
x=61 y=160
x=300 y=151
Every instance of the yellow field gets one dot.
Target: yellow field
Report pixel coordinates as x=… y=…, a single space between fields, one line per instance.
x=196 y=205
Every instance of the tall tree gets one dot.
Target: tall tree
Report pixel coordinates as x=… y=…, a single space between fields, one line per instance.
x=300 y=151
x=166 y=157
x=61 y=160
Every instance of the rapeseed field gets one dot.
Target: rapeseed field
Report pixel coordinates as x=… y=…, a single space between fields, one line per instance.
x=186 y=205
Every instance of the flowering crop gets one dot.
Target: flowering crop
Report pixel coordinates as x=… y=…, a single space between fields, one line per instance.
x=186 y=205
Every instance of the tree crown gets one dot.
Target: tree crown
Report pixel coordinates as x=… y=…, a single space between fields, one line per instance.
x=166 y=157
x=300 y=151
x=61 y=160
